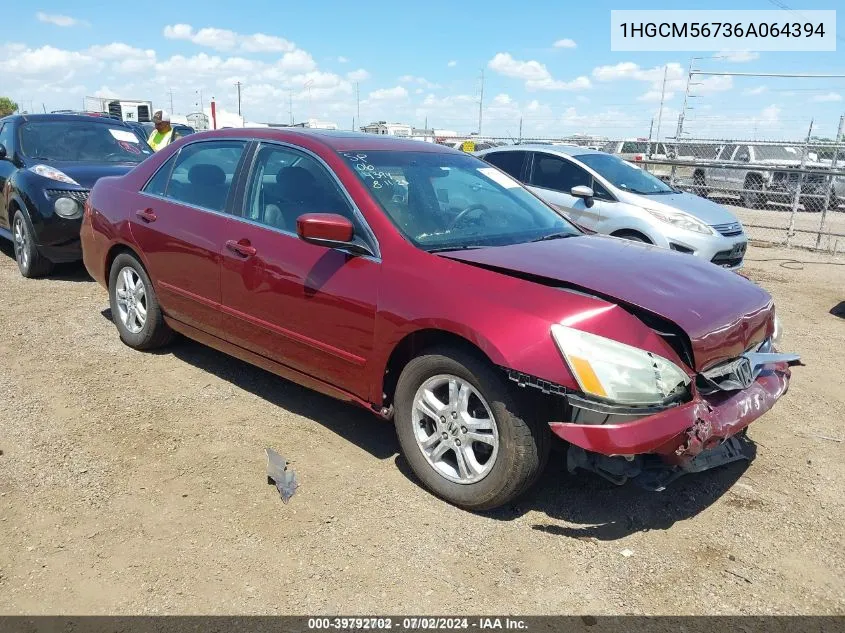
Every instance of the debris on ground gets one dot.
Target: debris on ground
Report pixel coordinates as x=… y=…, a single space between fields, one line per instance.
x=627 y=553
x=280 y=475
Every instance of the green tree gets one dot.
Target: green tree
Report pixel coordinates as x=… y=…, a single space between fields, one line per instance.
x=7 y=106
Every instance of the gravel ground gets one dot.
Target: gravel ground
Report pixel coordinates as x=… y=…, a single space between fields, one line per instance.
x=134 y=483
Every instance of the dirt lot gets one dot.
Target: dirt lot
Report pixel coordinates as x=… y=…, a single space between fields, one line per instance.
x=134 y=483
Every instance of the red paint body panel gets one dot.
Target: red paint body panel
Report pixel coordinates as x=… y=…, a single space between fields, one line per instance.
x=331 y=320
x=670 y=433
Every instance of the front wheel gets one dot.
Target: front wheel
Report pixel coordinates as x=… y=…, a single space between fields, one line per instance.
x=463 y=432
x=752 y=195
x=134 y=305
x=31 y=263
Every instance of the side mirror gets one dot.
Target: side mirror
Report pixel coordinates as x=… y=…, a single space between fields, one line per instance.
x=2 y=151
x=582 y=191
x=330 y=230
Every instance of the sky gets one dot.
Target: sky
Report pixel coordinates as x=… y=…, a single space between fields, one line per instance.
x=548 y=64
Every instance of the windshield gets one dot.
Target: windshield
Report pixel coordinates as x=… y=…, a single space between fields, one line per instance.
x=623 y=175
x=443 y=201
x=775 y=152
x=82 y=141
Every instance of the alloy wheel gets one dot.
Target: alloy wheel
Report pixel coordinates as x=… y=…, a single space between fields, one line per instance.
x=21 y=239
x=455 y=429
x=131 y=295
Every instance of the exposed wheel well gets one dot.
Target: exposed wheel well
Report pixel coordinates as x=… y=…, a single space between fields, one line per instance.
x=629 y=233
x=698 y=173
x=114 y=251
x=753 y=177
x=412 y=346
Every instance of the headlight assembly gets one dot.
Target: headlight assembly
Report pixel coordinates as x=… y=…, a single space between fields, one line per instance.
x=681 y=220
x=67 y=208
x=617 y=372
x=53 y=174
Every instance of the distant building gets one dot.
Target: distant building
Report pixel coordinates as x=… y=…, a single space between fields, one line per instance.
x=316 y=125
x=392 y=129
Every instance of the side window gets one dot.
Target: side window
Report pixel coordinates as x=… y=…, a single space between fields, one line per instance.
x=286 y=183
x=509 y=162
x=553 y=172
x=203 y=173
x=599 y=192
x=6 y=136
x=157 y=185
x=727 y=152
x=634 y=147
x=743 y=155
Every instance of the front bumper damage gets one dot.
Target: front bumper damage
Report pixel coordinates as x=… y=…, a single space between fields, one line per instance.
x=691 y=437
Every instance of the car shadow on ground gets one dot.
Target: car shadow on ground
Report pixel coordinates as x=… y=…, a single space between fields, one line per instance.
x=838 y=310
x=588 y=507
x=73 y=271
x=352 y=423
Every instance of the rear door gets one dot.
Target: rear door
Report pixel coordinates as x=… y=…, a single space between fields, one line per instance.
x=719 y=175
x=309 y=307
x=181 y=222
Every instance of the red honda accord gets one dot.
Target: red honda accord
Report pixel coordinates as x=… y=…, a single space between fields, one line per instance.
x=431 y=288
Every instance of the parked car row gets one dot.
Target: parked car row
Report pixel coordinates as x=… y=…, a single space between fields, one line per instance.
x=423 y=284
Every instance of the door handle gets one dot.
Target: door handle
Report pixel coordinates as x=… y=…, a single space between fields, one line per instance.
x=241 y=247
x=147 y=215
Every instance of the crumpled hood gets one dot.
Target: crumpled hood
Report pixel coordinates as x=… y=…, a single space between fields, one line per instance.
x=704 y=209
x=722 y=312
x=86 y=174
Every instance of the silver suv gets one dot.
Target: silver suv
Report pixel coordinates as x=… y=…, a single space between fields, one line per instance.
x=603 y=193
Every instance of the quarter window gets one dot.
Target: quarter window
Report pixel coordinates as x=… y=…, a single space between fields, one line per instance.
x=6 y=137
x=203 y=173
x=286 y=183
x=157 y=185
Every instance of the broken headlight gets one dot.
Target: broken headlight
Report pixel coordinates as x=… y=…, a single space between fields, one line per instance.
x=613 y=371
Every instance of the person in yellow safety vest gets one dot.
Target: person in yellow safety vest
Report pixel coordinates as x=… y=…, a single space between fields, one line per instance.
x=163 y=135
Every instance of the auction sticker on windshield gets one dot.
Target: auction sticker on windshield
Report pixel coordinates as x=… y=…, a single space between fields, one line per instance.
x=123 y=135
x=498 y=177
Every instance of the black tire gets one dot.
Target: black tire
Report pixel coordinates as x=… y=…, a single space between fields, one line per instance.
x=524 y=439
x=752 y=195
x=813 y=205
x=154 y=332
x=632 y=236
x=31 y=263
x=698 y=186
x=834 y=201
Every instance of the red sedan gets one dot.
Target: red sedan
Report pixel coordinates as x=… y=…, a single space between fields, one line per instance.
x=431 y=288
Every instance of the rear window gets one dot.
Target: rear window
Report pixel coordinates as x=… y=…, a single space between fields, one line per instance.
x=82 y=141
x=634 y=147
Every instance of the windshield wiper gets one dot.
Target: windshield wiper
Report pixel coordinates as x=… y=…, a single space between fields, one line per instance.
x=446 y=249
x=554 y=236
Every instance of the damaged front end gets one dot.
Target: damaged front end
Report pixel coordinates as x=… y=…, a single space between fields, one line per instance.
x=655 y=445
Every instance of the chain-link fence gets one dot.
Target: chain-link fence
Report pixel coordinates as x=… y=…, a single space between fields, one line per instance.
x=784 y=192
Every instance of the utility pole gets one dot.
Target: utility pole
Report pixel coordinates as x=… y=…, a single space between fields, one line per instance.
x=171 y=102
x=662 y=99
x=481 y=101
x=290 y=104
x=680 y=129
x=520 y=130
x=358 y=101
x=238 y=84
x=202 y=105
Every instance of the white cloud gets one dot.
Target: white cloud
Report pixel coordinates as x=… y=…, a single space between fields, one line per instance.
x=535 y=74
x=226 y=40
x=342 y=59
x=17 y=59
x=125 y=58
x=422 y=81
x=755 y=91
x=388 y=94
x=653 y=96
x=358 y=75
x=829 y=97
x=565 y=43
x=59 y=20
x=502 y=99
x=676 y=77
x=737 y=57
x=452 y=63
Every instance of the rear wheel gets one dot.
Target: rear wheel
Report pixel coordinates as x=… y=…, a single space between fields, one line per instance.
x=752 y=195
x=134 y=305
x=464 y=433
x=30 y=262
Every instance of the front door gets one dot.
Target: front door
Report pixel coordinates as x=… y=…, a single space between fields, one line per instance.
x=552 y=178
x=7 y=168
x=309 y=307
x=180 y=223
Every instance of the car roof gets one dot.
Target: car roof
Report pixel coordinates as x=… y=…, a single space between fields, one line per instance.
x=338 y=140
x=68 y=117
x=561 y=150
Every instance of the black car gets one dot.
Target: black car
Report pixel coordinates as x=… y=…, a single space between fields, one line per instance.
x=48 y=164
